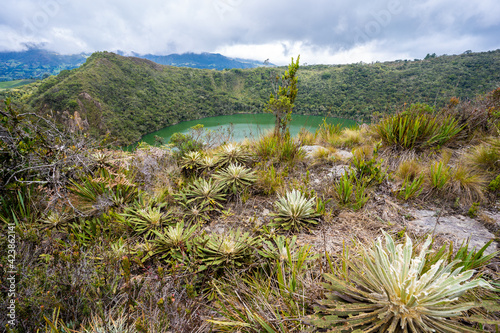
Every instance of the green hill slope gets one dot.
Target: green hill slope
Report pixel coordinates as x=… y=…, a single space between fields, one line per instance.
x=129 y=97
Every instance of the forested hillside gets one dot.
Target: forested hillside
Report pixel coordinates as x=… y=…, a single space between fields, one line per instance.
x=129 y=97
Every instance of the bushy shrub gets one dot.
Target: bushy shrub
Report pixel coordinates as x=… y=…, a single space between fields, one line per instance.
x=416 y=129
x=494 y=185
x=184 y=143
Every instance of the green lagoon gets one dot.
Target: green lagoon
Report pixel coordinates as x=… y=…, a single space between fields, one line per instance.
x=245 y=125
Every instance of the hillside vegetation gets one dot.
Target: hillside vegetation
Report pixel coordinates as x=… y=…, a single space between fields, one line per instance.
x=37 y=63
x=13 y=84
x=263 y=236
x=129 y=97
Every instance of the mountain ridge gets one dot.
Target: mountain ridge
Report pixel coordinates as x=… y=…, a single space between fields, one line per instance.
x=36 y=63
x=129 y=97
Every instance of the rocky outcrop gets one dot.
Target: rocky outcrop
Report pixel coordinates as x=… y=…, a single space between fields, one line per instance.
x=456 y=228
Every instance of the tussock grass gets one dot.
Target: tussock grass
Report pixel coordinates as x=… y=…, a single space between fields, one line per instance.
x=484 y=157
x=348 y=138
x=307 y=138
x=409 y=169
x=281 y=150
x=467 y=184
x=322 y=154
x=326 y=132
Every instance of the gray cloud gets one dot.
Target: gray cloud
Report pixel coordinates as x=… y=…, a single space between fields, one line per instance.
x=322 y=31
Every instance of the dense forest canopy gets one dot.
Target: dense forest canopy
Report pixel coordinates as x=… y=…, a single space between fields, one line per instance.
x=128 y=97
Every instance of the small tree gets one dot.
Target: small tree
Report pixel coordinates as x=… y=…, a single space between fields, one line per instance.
x=282 y=99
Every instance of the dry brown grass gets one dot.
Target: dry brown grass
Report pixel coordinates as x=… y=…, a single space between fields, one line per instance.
x=485 y=157
x=467 y=184
x=409 y=169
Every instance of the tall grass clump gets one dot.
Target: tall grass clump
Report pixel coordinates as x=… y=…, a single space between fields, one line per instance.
x=326 y=132
x=273 y=300
x=411 y=187
x=349 y=191
x=348 y=138
x=307 y=138
x=416 y=129
x=277 y=149
x=485 y=157
x=409 y=169
x=467 y=184
x=270 y=180
x=439 y=174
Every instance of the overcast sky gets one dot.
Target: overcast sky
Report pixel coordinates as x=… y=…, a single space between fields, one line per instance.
x=328 y=32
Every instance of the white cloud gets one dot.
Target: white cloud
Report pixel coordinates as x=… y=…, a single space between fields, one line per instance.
x=322 y=31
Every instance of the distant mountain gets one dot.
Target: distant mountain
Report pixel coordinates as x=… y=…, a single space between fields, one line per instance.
x=38 y=63
x=203 y=60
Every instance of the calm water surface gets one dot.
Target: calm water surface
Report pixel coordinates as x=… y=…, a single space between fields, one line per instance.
x=245 y=125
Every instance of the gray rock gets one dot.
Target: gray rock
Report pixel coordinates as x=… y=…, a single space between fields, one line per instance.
x=338 y=171
x=311 y=150
x=344 y=154
x=456 y=228
x=495 y=217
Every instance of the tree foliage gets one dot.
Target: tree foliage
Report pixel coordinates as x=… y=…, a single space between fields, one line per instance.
x=282 y=99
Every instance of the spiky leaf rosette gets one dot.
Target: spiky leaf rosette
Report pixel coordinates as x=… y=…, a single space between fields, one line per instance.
x=205 y=192
x=192 y=162
x=197 y=214
x=55 y=220
x=388 y=291
x=294 y=211
x=278 y=248
x=173 y=242
x=235 y=178
x=144 y=221
x=233 y=249
x=208 y=163
x=233 y=153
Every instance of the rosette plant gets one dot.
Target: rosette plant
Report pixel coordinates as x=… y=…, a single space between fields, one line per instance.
x=233 y=153
x=387 y=289
x=294 y=211
x=235 y=178
x=233 y=249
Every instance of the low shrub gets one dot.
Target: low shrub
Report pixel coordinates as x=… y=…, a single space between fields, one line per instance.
x=416 y=129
